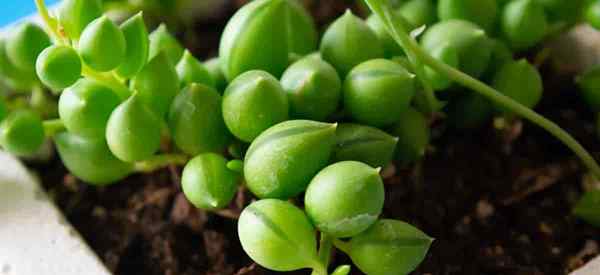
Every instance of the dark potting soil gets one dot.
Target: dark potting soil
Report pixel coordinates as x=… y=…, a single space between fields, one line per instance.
x=497 y=202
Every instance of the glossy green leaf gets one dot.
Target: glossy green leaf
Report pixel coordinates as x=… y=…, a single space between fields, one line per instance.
x=588 y=207
x=524 y=23
x=520 y=81
x=196 y=121
x=469 y=40
x=592 y=14
x=376 y=92
x=562 y=11
x=162 y=40
x=447 y=54
x=22 y=133
x=213 y=66
x=24 y=44
x=253 y=102
x=90 y=159
x=349 y=30
x=278 y=235
x=589 y=87
x=281 y=162
x=391 y=48
x=75 y=15
x=501 y=54
x=365 y=144
x=207 y=182
x=14 y=77
x=480 y=12
x=157 y=84
x=389 y=247
x=412 y=131
x=342 y=270
x=345 y=198
x=3 y=109
x=469 y=111
x=86 y=106
x=58 y=67
x=419 y=12
x=313 y=88
x=190 y=70
x=102 y=45
x=137 y=46
x=302 y=30
x=133 y=131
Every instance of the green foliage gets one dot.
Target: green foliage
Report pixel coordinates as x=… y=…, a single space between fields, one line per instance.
x=412 y=131
x=75 y=15
x=389 y=247
x=213 y=66
x=281 y=162
x=520 y=81
x=523 y=23
x=313 y=88
x=157 y=84
x=592 y=14
x=90 y=159
x=3 y=109
x=137 y=46
x=589 y=88
x=253 y=102
x=85 y=107
x=22 y=133
x=58 y=67
x=562 y=11
x=419 y=12
x=207 y=182
x=588 y=207
x=161 y=40
x=349 y=30
x=365 y=144
x=278 y=235
x=12 y=76
x=102 y=45
x=190 y=70
x=469 y=111
x=345 y=198
x=480 y=12
x=24 y=45
x=133 y=131
x=196 y=121
x=449 y=55
x=390 y=47
x=377 y=91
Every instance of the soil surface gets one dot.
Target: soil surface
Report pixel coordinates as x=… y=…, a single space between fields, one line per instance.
x=497 y=201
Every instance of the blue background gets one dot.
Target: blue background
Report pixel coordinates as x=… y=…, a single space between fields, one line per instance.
x=12 y=10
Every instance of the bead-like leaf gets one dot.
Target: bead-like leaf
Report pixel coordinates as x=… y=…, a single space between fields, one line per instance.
x=389 y=247
x=213 y=66
x=162 y=40
x=589 y=88
x=524 y=23
x=253 y=102
x=24 y=45
x=281 y=162
x=157 y=84
x=14 y=77
x=588 y=207
x=75 y=15
x=58 y=67
x=302 y=29
x=278 y=235
x=196 y=121
x=413 y=134
x=90 y=159
x=190 y=70
x=207 y=182
x=520 y=81
x=137 y=49
x=447 y=54
x=345 y=198
x=22 y=133
x=480 y=12
x=365 y=144
x=133 y=131
x=102 y=45
x=86 y=106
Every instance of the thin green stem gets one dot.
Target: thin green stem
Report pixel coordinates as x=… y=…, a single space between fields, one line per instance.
x=160 y=161
x=490 y=93
x=53 y=126
x=109 y=80
x=325 y=247
x=50 y=22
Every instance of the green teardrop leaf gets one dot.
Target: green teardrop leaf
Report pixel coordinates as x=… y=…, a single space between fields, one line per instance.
x=302 y=30
x=365 y=144
x=345 y=198
x=133 y=131
x=213 y=66
x=24 y=45
x=58 y=67
x=137 y=46
x=207 y=182
x=448 y=55
x=162 y=40
x=389 y=247
x=253 y=102
x=589 y=87
x=196 y=121
x=520 y=81
x=278 y=235
x=480 y=12
x=157 y=84
x=12 y=76
x=588 y=207
x=90 y=159
x=281 y=162
x=524 y=23
x=391 y=48
x=190 y=70
x=592 y=15
x=102 y=45
x=413 y=134
x=75 y=15
x=22 y=133
x=342 y=270
x=86 y=106
x=419 y=12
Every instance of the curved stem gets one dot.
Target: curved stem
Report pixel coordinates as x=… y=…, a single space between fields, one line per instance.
x=50 y=22
x=160 y=161
x=53 y=126
x=325 y=246
x=109 y=80
x=490 y=93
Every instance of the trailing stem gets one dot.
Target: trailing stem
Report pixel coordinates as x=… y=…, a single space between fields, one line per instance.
x=325 y=247
x=160 y=161
x=411 y=47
